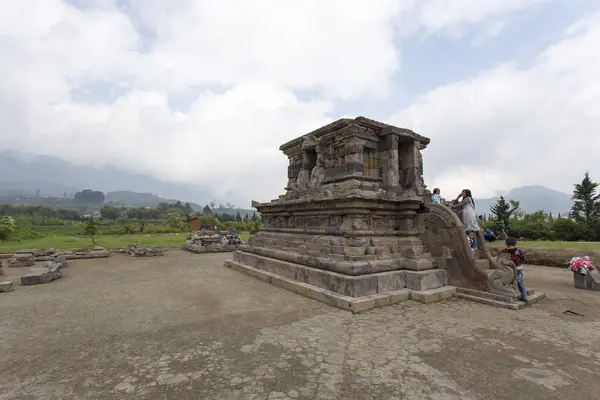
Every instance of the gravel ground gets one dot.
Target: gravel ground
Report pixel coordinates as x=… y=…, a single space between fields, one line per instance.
x=183 y=326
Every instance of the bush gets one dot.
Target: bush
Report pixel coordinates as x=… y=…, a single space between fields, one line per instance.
x=7 y=227
x=568 y=230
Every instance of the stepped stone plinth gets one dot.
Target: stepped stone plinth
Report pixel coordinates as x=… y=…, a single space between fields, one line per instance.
x=348 y=231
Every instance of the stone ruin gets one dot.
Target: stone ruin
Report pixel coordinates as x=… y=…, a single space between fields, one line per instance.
x=211 y=242
x=95 y=252
x=137 y=250
x=356 y=228
x=51 y=254
x=20 y=259
x=51 y=270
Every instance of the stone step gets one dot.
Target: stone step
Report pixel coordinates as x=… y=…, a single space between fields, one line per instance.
x=354 y=304
x=487 y=295
x=498 y=300
x=432 y=295
x=489 y=301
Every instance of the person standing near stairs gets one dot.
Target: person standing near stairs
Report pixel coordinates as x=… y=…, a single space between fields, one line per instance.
x=517 y=257
x=465 y=203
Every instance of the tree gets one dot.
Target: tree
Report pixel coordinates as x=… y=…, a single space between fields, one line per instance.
x=207 y=210
x=91 y=229
x=567 y=229
x=89 y=196
x=176 y=220
x=586 y=205
x=110 y=212
x=143 y=224
x=253 y=218
x=238 y=217
x=503 y=210
x=7 y=227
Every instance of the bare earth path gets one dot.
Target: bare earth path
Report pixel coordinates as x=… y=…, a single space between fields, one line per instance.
x=184 y=327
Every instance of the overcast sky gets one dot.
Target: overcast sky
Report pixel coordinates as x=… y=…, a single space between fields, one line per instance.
x=205 y=91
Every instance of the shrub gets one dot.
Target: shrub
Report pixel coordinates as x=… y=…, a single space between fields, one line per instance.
x=7 y=227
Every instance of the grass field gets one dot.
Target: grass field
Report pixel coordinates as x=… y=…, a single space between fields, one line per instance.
x=554 y=245
x=64 y=242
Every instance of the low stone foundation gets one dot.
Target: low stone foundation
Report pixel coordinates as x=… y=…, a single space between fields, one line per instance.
x=355 y=293
x=20 y=260
x=137 y=250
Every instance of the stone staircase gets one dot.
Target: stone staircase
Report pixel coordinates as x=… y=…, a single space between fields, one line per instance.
x=496 y=300
x=491 y=299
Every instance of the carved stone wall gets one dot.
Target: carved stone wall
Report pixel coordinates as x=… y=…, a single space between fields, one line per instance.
x=446 y=241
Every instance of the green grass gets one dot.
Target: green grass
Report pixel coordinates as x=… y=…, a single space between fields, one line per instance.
x=63 y=242
x=554 y=245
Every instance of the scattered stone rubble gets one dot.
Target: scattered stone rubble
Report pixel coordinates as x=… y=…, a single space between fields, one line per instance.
x=212 y=242
x=6 y=286
x=20 y=260
x=137 y=250
x=28 y=257
x=50 y=271
x=95 y=252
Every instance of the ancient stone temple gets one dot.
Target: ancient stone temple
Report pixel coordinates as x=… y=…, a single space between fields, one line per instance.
x=354 y=228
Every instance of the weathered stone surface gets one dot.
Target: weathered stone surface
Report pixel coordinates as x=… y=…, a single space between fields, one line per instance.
x=425 y=280
x=433 y=295
x=354 y=219
x=21 y=260
x=341 y=226
x=137 y=250
x=6 y=286
x=590 y=281
x=213 y=243
x=47 y=273
x=95 y=252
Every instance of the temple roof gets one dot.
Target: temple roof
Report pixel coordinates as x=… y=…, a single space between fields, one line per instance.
x=378 y=127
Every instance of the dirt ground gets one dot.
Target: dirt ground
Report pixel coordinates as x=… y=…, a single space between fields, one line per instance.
x=185 y=327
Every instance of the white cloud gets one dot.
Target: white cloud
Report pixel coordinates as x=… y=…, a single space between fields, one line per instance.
x=512 y=125
x=59 y=61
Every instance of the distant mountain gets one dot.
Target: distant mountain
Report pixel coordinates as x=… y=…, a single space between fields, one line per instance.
x=124 y=197
x=531 y=199
x=22 y=173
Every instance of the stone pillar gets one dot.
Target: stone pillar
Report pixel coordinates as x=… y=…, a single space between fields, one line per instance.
x=390 y=163
x=409 y=164
x=353 y=158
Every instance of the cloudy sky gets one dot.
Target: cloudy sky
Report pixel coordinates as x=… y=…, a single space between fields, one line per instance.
x=205 y=91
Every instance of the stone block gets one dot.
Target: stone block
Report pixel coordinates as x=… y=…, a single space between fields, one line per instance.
x=6 y=286
x=21 y=260
x=392 y=297
x=425 y=280
x=390 y=281
x=355 y=251
x=590 y=281
x=420 y=264
x=45 y=274
x=412 y=251
x=433 y=295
